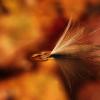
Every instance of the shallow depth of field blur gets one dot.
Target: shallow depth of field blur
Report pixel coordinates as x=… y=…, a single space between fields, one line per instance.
x=31 y=26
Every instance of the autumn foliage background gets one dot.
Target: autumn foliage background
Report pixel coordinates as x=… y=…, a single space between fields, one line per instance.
x=30 y=26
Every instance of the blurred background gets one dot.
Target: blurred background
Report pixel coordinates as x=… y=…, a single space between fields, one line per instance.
x=31 y=26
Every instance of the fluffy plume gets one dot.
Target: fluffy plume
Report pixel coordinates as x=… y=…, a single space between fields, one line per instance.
x=77 y=57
